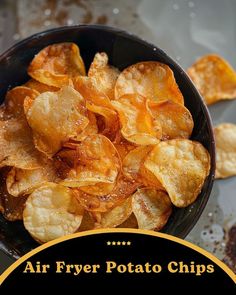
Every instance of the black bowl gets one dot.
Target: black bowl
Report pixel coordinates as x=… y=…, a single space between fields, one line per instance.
x=123 y=50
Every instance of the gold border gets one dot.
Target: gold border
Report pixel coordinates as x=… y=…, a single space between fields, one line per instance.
x=223 y=266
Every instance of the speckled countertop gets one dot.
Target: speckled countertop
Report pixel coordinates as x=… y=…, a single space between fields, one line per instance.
x=185 y=30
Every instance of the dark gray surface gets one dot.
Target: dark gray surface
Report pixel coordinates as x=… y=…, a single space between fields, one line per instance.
x=5 y=261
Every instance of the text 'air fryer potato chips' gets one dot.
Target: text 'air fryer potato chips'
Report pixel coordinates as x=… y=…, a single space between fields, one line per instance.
x=102 y=150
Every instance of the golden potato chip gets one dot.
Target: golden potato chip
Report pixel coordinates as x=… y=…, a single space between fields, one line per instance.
x=22 y=182
x=56 y=64
x=27 y=104
x=55 y=117
x=136 y=121
x=151 y=79
x=123 y=148
x=98 y=189
x=90 y=129
x=214 y=78
x=14 y=100
x=225 y=136
x=98 y=103
x=131 y=222
x=104 y=75
x=133 y=161
x=124 y=188
x=52 y=211
x=181 y=166
x=152 y=208
x=17 y=147
x=11 y=207
x=175 y=119
x=40 y=87
x=117 y=215
x=87 y=223
x=95 y=161
x=133 y=167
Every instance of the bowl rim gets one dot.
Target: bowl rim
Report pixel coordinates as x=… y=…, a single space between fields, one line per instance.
x=135 y=38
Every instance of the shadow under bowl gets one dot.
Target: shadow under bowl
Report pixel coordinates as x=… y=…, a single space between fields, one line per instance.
x=123 y=50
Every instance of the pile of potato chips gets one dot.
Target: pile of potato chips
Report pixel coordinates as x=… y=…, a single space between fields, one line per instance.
x=216 y=80
x=101 y=150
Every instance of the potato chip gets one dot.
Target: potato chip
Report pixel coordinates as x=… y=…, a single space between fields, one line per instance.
x=136 y=121
x=175 y=119
x=27 y=104
x=104 y=75
x=131 y=222
x=87 y=223
x=22 y=182
x=95 y=161
x=52 y=211
x=133 y=161
x=11 y=207
x=98 y=189
x=214 y=78
x=98 y=103
x=17 y=147
x=123 y=148
x=133 y=167
x=151 y=79
x=152 y=208
x=181 y=166
x=225 y=136
x=55 y=117
x=56 y=64
x=14 y=100
x=124 y=188
x=90 y=129
x=117 y=215
x=40 y=87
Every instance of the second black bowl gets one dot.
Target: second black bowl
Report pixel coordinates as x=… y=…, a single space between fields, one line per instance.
x=123 y=50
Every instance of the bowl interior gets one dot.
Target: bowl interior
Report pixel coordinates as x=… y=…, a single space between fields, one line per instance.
x=123 y=50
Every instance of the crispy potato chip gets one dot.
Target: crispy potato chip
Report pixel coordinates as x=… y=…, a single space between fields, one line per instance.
x=40 y=87
x=133 y=167
x=225 y=136
x=56 y=64
x=133 y=161
x=136 y=121
x=11 y=207
x=104 y=75
x=131 y=222
x=17 y=147
x=90 y=129
x=21 y=182
x=98 y=103
x=175 y=119
x=117 y=215
x=98 y=189
x=95 y=161
x=87 y=223
x=52 y=211
x=55 y=117
x=124 y=188
x=152 y=208
x=14 y=100
x=123 y=148
x=181 y=166
x=110 y=123
x=151 y=79
x=214 y=78
x=88 y=89
x=27 y=104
